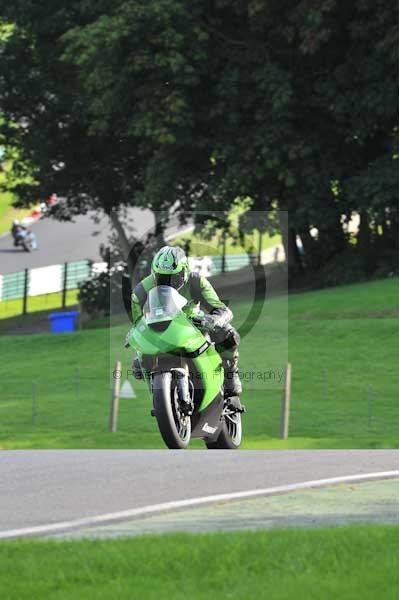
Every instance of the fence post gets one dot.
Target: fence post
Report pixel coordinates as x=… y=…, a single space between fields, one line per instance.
x=64 y=285
x=26 y=286
x=285 y=409
x=113 y=417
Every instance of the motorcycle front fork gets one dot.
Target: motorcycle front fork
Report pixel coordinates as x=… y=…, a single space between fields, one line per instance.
x=183 y=390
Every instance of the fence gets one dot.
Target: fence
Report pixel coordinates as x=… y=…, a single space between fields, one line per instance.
x=55 y=402
x=46 y=280
x=323 y=407
x=61 y=278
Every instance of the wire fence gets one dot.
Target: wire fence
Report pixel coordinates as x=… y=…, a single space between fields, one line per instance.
x=43 y=281
x=75 y=401
x=80 y=402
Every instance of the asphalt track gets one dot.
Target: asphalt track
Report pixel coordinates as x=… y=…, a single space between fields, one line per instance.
x=72 y=241
x=48 y=487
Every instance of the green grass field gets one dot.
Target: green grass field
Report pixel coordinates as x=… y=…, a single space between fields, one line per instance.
x=342 y=344
x=213 y=247
x=346 y=563
x=12 y=308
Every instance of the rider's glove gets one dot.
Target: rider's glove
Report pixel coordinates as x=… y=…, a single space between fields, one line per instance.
x=206 y=322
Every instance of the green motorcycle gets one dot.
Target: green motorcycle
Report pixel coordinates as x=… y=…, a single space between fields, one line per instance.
x=184 y=373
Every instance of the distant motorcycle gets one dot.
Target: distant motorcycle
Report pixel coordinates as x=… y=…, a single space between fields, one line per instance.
x=26 y=239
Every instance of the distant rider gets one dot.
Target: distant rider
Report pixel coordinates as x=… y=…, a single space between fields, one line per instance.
x=170 y=267
x=16 y=230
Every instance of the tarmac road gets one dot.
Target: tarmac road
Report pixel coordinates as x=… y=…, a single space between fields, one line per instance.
x=71 y=241
x=44 y=487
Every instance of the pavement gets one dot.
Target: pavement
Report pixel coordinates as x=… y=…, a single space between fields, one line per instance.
x=39 y=488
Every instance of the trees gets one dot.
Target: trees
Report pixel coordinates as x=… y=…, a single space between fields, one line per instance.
x=47 y=120
x=310 y=121
x=292 y=104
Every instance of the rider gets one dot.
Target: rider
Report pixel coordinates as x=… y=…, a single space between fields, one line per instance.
x=170 y=267
x=16 y=230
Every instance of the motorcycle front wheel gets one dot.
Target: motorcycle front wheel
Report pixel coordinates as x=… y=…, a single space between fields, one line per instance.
x=27 y=245
x=174 y=425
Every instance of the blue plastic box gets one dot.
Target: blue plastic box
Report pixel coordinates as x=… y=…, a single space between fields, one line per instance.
x=63 y=322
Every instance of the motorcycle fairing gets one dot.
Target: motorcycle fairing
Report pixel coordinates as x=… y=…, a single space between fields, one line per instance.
x=207 y=422
x=181 y=335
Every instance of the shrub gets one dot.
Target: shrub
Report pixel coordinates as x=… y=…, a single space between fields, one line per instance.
x=94 y=295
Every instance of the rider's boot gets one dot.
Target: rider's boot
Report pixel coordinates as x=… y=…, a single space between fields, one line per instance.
x=232 y=382
x=138 y=373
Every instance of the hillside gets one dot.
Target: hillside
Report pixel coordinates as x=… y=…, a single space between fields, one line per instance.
x=341 y=342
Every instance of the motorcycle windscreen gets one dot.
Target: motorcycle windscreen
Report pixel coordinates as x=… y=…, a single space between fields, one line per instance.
x=164 y=303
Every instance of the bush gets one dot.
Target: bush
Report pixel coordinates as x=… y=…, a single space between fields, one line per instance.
x=94 y=295
x=344 y=268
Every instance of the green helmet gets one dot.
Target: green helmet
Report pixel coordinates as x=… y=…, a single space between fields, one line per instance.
x=170 y=267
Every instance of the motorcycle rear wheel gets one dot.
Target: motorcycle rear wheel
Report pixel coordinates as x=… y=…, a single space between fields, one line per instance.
x=175 y=427
x=230 y=435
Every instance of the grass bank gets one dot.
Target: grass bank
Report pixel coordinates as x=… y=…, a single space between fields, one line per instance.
x=13 y=308
x=346 y=563
x=7 y=212
x=342 y=344
x=214 y=246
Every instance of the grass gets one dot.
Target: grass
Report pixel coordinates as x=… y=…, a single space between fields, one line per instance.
x=213 y=247
x=376 y=299
x=346 y=563
x=56 y=389
x=5 y=202
x=12 y=308
x=7 y=212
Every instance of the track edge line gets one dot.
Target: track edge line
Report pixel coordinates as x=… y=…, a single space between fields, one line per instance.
x=108 y=518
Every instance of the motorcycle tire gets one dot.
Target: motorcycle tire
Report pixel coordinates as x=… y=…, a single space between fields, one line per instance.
x=230 y=435
x=175 y=427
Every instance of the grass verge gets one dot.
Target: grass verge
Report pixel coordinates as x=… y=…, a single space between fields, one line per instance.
x=213 y=247
x=8 y=213
x=346 y=563
x=13 y=308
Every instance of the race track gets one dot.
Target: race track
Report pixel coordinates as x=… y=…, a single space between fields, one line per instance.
x=72 y=241
x=46 y=487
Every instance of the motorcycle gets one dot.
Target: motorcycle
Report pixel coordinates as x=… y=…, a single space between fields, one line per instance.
x=26 y=239
x=184 y=374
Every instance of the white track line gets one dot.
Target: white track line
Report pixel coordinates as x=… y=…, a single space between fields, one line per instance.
x=191 y=502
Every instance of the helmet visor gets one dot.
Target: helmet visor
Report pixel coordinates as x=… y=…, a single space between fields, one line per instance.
x=176 y=280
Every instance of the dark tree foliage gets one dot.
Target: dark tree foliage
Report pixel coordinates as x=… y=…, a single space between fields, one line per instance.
x=292 y=103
